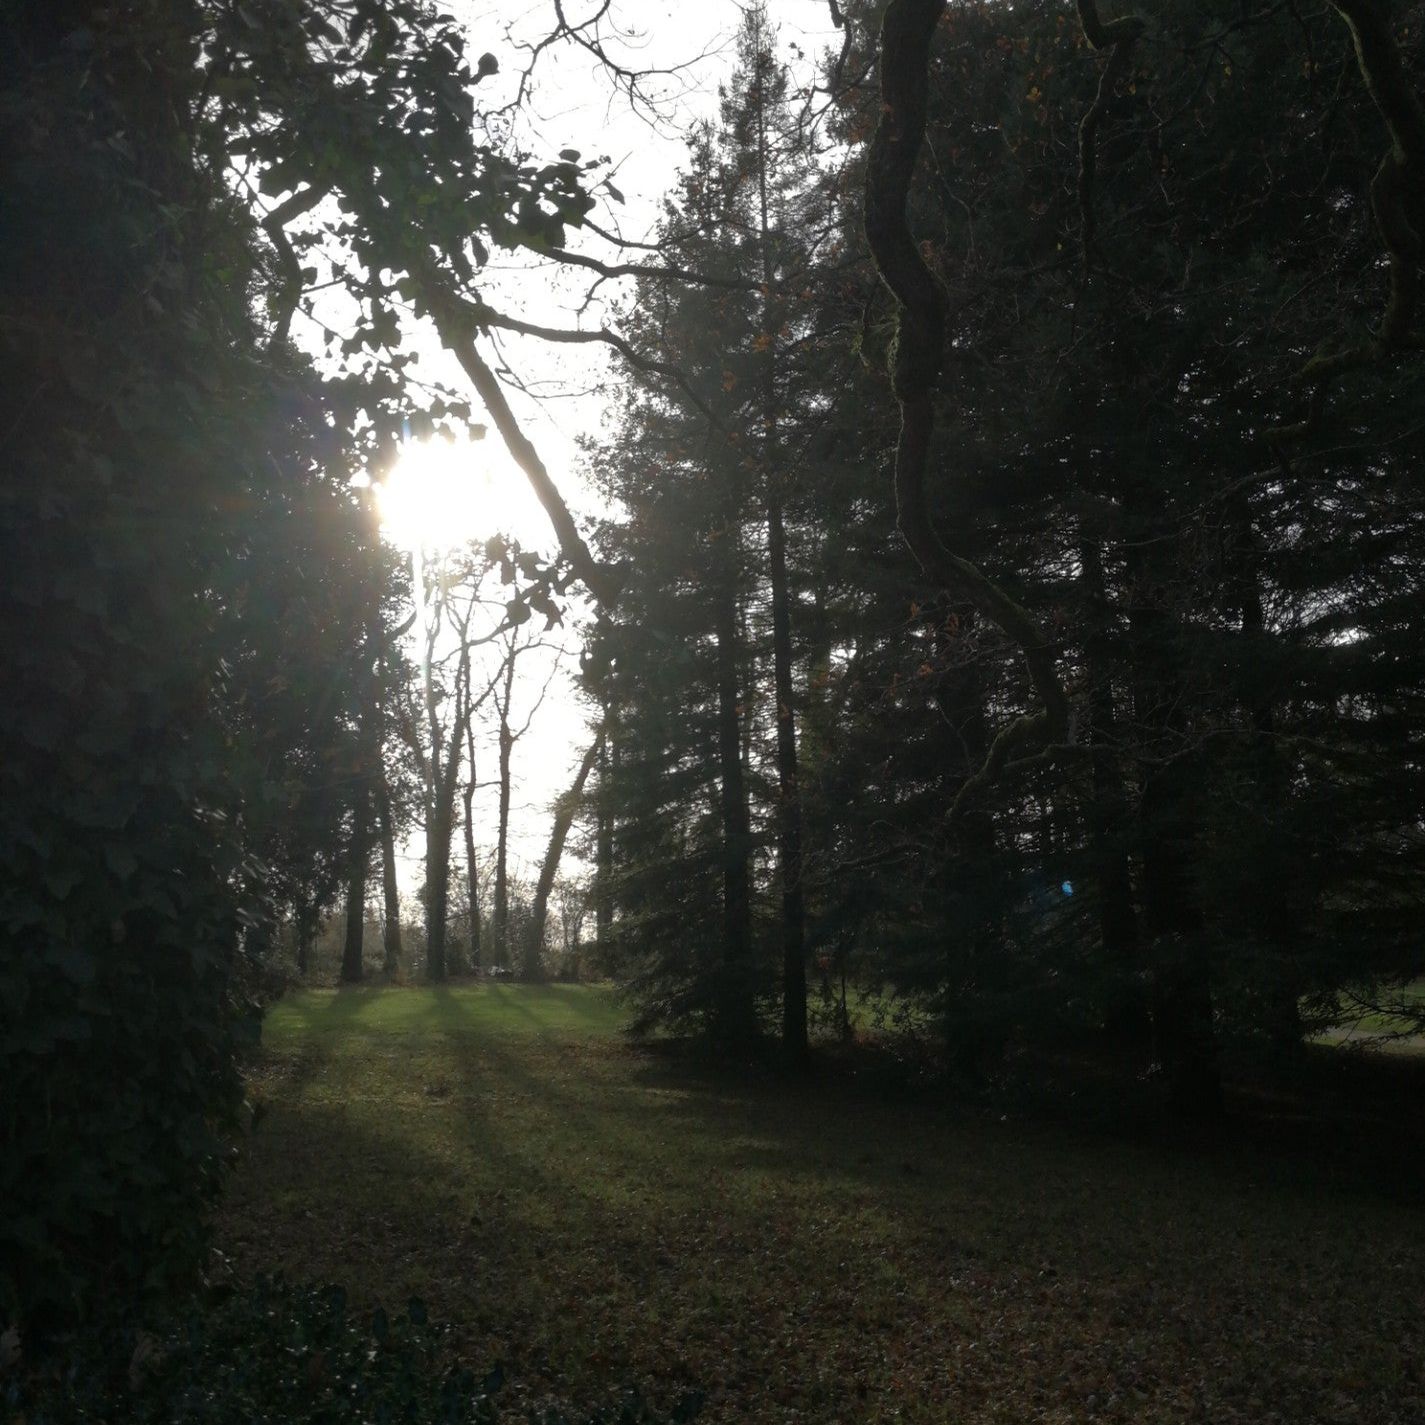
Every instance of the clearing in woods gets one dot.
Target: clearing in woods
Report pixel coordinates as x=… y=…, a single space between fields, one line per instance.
x=594 y=1215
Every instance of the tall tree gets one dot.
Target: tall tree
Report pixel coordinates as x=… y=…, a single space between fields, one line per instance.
x=565 y=810
x=472 y=867
x=769 y=147
x=503 y=689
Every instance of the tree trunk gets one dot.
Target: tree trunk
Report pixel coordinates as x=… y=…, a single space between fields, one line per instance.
x=438 y=836
x=1126 y=1011
x=1280 y=935
x=1182 y=986
x=789 y=801
x=501 y=921
x=977 y=1029
x=390 y=890
x=472 y=878
x=735 y=1010
x=604 y=854
x=564 y=813
x=304 y=924
x=351 y=956
x=1181 y=995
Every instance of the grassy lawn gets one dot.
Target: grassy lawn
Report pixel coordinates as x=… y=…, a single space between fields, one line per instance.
x=593 y=1215
x=1387 y=1033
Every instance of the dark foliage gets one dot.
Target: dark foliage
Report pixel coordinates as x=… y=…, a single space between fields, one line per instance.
x=1140 y=766
x=184 y=597
x=286 y=1353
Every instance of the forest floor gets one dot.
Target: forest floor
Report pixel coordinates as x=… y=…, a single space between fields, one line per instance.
x=816 y=1249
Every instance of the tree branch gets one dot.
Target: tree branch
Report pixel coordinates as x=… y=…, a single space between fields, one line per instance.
x=486 y=316
x=1395 y=200
x=1119 y=35
x=641 y=269
x=906 y=34
x=287 y=296
x=456 y=321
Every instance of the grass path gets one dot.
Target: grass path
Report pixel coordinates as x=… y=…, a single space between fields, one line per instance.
x=593 y=1215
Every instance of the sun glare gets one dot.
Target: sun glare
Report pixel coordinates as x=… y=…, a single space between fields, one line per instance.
x=442 y=494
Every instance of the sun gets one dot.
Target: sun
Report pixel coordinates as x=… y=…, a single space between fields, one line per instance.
x=442 y=494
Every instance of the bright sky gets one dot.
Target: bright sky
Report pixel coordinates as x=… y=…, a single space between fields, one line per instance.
x=443 y=495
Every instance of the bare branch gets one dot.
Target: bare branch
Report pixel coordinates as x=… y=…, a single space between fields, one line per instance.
x=640 y=269
x=487 y=317
x=456 y=321
x=1120 y=36
x=671 y=240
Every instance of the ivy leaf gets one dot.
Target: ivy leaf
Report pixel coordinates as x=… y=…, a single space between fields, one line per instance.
x=120 y=860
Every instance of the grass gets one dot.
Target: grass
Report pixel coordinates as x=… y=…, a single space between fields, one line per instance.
x=808 y=1250
x=1391 y=1033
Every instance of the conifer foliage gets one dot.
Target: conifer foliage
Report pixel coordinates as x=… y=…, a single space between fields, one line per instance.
x=1010 y=494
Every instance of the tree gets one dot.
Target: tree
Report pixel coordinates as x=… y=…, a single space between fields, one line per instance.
x=565 y=809
x=449 y=596
x=174 y=167
x=1048 y=760
x=168 y=461
x=747 y=216
x=502 y=689
x=472 y=870
x=675 y=665
x=1169 y=609
x=769 y=149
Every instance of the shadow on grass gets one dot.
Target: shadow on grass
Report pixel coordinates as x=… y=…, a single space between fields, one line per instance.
x=451 y=1009
x=1352 y=1129
x=586 y=1209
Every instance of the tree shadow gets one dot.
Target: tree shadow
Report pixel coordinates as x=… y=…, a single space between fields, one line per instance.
x=551 y=1192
